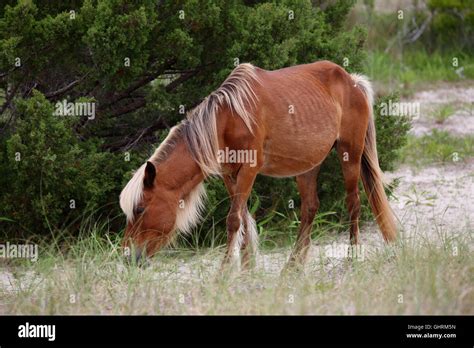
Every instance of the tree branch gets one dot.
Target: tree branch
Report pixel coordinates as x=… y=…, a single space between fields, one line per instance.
x=141 y=102
x=130 y=142
x=9 y=98
x=137 y=84
x=183 y=78
x=66 y=88
x=415 y=34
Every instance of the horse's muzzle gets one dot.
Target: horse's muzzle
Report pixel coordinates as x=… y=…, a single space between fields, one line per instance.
x=137 y=257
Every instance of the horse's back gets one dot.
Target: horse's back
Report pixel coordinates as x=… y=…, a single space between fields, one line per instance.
x=300 y=109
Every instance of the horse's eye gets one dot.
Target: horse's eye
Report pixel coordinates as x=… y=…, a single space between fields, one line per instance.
x=139 y=210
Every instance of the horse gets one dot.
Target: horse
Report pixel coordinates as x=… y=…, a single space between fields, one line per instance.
x=289 y=119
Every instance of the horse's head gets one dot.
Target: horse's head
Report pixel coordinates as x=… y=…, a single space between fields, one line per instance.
x=151 y=209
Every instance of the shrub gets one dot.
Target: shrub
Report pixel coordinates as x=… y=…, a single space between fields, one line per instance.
x=452 y=24
x=173 y=62
x=50 y=179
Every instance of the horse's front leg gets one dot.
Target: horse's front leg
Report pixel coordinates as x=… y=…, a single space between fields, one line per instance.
x=237 y=218
x=249 y=243
x=249 y=246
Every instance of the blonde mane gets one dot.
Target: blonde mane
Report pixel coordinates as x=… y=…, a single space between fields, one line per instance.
x=200 y=134
x=237 y=93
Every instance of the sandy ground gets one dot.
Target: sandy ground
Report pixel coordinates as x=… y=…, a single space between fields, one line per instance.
x=442 y=195
x=460 y=123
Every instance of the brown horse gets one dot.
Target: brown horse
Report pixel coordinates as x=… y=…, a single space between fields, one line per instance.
x=279 y=123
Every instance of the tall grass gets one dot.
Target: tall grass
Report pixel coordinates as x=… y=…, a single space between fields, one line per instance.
x=419 y=275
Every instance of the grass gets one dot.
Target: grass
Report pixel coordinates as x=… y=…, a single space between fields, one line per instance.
x=398 y=65
x=415 y=69
x=442 y=113
x=416 y=276
x=437 y=147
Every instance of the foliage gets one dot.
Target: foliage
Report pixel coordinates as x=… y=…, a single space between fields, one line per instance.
x=51 y=178
x=446 y=26
x=418 y=42
x=438 y=147
x=452 y=24
x=141 y=63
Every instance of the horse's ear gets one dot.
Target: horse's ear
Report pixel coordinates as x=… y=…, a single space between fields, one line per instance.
x=150 y=174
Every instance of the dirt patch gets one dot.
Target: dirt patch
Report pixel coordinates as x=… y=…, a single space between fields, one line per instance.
x=460 y=122
x=440 y=196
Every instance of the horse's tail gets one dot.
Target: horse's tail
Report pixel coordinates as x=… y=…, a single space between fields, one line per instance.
x=372 y=176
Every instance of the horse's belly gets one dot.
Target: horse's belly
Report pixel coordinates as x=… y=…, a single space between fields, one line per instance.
x=282 y=167
x=294 y=154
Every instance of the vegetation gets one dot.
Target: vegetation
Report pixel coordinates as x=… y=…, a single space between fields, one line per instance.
x=442 y=113
x=417 y=45
x=416 y=68
x=438 y=147
x=60 y=176
x=418 y=276
x=61 y=169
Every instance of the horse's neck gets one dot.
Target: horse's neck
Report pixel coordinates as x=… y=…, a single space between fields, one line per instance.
x=179 y=171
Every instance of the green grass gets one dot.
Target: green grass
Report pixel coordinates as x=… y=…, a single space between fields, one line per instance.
x=438 y=147
x=416 y=68
x=417 y=276
x=442 y=113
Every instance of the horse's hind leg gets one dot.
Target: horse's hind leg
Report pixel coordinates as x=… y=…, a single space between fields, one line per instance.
x=307 y=187
x=350 y=157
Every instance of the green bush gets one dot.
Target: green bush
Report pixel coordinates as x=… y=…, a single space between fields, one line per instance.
x=175 y=61
x=50 y=179
x=452 y=25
